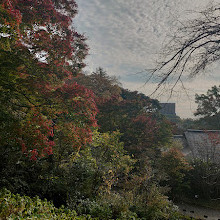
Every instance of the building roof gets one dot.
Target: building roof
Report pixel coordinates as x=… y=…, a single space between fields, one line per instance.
x=202 y=131
x=204 y=144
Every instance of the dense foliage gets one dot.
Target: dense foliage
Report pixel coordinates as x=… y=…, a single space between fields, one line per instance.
x=209 y=108
x=79 y=140
x=134 y=114
x=176 y=167
x=39 y=53
x=23 y=207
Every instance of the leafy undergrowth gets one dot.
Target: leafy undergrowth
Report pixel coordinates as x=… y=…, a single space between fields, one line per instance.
x=23 y=207
x=15 y=206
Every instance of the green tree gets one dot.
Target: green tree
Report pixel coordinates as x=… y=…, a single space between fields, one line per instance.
x=97 y=175
x=23 y=207
x=209 y=104
x=176 y=167
x=104 y=86
x=209 y=108
x=111 y=158
x=204 y=179
x=135 y=115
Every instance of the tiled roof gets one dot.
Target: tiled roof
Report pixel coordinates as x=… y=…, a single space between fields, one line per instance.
x=204 y=144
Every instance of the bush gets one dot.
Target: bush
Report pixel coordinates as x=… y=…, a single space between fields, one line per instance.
x=108 y=206
x=95 y=209
x=23 y=207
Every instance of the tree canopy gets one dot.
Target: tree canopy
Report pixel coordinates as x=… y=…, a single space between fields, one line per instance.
x=209 y=109
x=134 y=114
x=209 y=104
x=39 y=53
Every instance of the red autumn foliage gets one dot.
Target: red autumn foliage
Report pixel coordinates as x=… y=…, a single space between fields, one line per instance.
x=214 y=137
x=48 y=52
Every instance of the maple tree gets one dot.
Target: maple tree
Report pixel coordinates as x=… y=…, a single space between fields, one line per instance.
x=136 y=116
x=39 y=52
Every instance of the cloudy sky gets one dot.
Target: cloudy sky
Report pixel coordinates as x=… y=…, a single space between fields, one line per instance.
x=126 y=36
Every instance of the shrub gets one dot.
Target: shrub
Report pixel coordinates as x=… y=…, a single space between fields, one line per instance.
x=23 y=207
x=95 y=209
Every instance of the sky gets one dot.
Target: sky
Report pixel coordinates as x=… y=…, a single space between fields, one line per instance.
x=125 y=38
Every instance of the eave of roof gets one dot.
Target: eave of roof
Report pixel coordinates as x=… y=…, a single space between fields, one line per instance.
x=205 y=131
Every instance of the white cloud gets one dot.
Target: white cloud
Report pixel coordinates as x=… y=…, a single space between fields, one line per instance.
x=125 y=36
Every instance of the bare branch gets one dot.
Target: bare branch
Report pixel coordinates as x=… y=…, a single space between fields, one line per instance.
x=193 y=47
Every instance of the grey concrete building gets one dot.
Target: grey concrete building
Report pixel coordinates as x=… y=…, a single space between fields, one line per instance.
x=168 y=109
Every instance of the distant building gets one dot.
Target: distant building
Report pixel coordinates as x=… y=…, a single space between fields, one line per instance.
x=168 y=109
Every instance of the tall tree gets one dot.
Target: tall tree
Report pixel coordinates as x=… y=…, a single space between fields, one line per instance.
x=134 y=114
x=105 y=87
x=209 y=104
x=39 y=52
x=209 y=108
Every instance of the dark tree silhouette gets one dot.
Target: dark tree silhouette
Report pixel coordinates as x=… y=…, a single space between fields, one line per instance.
x=209 y=108
x=209 y=104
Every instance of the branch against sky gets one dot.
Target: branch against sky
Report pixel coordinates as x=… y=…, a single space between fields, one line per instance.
x=193 y=47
